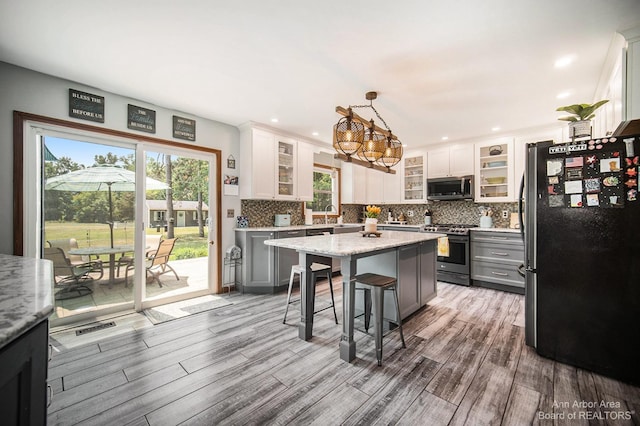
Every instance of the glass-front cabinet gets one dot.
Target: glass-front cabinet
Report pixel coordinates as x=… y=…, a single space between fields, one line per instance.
x=413 y=178
x=495 y=178
x=286 y=156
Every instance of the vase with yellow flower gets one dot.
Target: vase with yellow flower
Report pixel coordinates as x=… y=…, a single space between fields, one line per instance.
x=371 y=222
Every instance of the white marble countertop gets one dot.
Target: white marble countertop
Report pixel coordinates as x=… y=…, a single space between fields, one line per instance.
x=509 y=230
x=25 y=295
x=339 y=245
x=298 y=227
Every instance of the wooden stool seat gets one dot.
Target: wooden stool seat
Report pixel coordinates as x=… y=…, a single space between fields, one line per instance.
x=378 y=284
x=316 y=268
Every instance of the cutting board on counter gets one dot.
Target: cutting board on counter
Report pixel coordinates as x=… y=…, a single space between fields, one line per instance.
x=513 y=222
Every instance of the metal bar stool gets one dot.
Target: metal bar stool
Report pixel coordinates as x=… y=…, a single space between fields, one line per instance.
x=378 y=284
x=316 y=269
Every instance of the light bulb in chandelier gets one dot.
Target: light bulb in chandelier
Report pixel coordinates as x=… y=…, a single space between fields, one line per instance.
x=392 y=153
x=348 y=135
x=373 y=146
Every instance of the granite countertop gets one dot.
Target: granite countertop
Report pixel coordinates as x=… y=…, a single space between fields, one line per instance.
x=25 y=295
x=509 y=230
x=338 y=245
x=298 y=227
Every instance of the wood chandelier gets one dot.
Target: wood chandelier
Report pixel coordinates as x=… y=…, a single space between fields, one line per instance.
x=362 y=142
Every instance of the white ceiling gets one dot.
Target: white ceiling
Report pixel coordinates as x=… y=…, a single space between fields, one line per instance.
x=441 y=67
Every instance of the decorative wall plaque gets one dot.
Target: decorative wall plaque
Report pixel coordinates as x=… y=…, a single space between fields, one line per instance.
x=184 y=128
x=86 y=106
x=142 y=119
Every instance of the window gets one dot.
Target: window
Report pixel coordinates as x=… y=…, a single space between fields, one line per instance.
x=326 y=189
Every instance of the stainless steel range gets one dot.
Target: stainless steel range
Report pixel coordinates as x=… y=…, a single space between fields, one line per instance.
x=456 y=267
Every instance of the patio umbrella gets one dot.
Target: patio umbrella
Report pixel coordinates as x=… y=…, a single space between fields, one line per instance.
x=100 y=178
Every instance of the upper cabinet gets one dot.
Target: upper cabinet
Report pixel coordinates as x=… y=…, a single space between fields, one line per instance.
x=354 y=184
x=414 y=172
x=495 y=180
x=453 y=160
x=273 y=167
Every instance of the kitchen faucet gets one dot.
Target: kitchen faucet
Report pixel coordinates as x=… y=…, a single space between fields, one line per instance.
x=330 y=207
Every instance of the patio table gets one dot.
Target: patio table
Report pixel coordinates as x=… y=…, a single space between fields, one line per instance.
x=100 y=250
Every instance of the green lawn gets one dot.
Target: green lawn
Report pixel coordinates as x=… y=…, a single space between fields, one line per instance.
x=189 y=244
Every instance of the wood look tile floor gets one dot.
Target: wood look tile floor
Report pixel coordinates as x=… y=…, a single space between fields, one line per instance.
x=465 y=363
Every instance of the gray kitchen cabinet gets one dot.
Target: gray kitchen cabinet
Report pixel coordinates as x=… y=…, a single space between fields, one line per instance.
x=23 y=378
x=495 y=257
x=408 y=280
x=428 y=287
x=284 y=259
x=258 y=261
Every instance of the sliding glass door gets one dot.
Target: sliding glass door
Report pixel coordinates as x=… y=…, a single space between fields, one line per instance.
x=128 y=224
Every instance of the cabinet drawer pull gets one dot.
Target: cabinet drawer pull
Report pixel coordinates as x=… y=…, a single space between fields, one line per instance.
x=292 y=232
x=501 y=274
x=50 y=389
x=50 y=351
x=498 y=253
x=498 y=238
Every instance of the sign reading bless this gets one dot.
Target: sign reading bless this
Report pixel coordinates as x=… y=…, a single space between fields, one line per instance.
x=142 y=119
x=86 y=106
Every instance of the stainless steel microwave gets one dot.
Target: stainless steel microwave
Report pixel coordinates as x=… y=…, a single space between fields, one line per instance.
x=450 y=188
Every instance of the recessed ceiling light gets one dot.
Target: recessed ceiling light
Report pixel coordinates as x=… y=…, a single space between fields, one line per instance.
x=564 y=61
x=444 y=138
x=495 y=129
x=315 y=133
x=274 y=120
x=563 y=95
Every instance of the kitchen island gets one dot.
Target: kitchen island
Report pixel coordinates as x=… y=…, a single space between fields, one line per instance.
x=408 y=256
x=26 y=303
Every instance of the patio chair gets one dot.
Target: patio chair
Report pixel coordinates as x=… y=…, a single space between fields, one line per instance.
x=158 y=263
x=67 y=244
x=151 y=242
x=71 y=278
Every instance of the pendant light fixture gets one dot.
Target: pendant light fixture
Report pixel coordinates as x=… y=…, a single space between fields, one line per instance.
x=374 y=146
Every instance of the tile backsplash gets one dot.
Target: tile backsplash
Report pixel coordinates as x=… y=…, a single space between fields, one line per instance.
x=261 y=212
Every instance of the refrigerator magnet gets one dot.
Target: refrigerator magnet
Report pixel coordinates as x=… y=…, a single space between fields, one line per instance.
x=631 y=183
x=592 y=160
x=576 y=200
x=632 y=195
x=574 y=174
x=632 y=161
x=573 y=187
x=592 y=185
x=632 y=172
x=554 y=180
x=611 y=164
x=573 y=162
x=554 y=167
x=593 y=200
x=556 y=200
x=610 y=181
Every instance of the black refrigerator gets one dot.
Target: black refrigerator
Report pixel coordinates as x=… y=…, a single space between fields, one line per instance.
x=582 y=254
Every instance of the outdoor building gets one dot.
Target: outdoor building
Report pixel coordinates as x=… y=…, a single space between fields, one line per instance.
x=185 y=213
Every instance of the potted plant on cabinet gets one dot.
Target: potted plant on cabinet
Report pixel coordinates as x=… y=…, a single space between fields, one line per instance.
x=580 y=121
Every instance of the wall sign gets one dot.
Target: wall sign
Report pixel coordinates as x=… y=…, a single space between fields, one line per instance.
x=142 y=119
x=184 y=128
x=231 y=162
x=86 y=106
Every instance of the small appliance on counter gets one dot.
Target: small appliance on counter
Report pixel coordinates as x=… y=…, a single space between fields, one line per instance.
x=427 y=217
x=282 y=220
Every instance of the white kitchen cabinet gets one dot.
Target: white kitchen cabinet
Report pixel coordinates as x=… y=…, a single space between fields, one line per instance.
x=354 y=184
x=375 y=190
x=413 y=179
x=391 y=186
x=305 y=172
x=274 y=167
x=453 y=160
x=495 y=180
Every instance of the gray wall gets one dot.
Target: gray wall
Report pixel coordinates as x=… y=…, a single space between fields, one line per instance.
x=28 y=91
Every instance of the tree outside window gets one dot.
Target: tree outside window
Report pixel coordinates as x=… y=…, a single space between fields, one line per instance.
x=326 y=189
